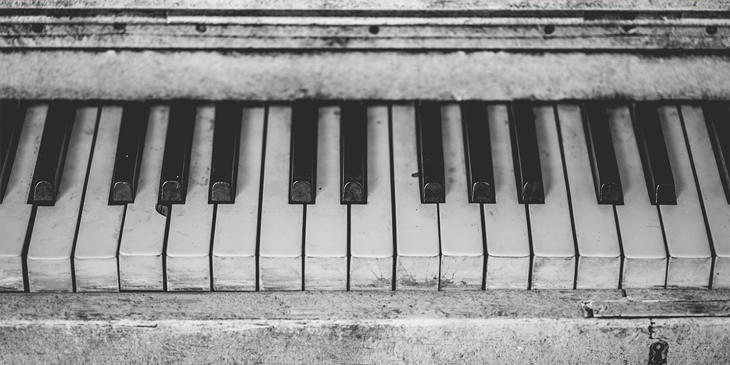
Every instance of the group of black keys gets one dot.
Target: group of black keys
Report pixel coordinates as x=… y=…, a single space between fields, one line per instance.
x=305 y=115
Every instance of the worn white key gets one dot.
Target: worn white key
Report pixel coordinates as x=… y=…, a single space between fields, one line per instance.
x=51 y=242
x=188 y=241
x=371 y=224
x=645 y=256
x=280 y=248
x=690 y=258
x=325 y=237
x=462 y=245
x=553 y=264
x=15 y=211
x=143 y=235
x=417 y=238
x=95 y=258
x=599 y=263
x=234 y=240
x=717 y=209
x=508 y=240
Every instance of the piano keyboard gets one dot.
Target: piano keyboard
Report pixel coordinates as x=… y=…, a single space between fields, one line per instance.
x=186 y=196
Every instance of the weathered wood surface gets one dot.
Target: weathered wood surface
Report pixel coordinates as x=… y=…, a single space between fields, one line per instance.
x=409 y=5
x=662 y=304
x=361 y=75
x=492 y=327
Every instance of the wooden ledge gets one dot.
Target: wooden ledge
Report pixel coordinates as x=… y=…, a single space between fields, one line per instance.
x=360 y=75
x=485 y=327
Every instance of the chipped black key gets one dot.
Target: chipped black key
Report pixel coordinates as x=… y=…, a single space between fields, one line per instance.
x=303 y=170
x=430 y=153
x=11 y=123
x=52 y=153
x=129 y=153
x=654 y=156
x=226 y=138
x=353 y=156
x=526 y=154
x=176 y=160
x=478 y=152
x=602 y=155
x=717 y=118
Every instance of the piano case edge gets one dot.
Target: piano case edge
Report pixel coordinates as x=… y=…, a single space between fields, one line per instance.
x=493 y=327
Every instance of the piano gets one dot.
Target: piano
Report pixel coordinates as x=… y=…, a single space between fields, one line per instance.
x=363 y=163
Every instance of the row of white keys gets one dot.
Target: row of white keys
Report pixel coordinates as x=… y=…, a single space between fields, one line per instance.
x=462 y=244
x=234 y=245
x=716 y=209
x=325 y=239
x=371 y=225
x=95 y=257
x=15 y=212
x=553 y=265
x=595 y=225
x=690 y=257
x=508 y=240
x=417 y=236
x=51 y=243
x=191 y=224
x=143 y=236
x=280 y=245
x=645 y=256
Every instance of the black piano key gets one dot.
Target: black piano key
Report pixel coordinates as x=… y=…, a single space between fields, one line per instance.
x=430 y=153
x=602 y=155
x=225 y=152
x=654 y=156
x=176 y=160
x=526 y=154
x=129 y=153
x=717 y=118
x=52 y=153
x=11 y=123
x=479 y=169
x=303 y=175
x=353 y=158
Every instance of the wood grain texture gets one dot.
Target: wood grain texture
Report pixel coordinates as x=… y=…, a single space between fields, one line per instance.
x=410 y=5
x=493 y=327
x=127 y=75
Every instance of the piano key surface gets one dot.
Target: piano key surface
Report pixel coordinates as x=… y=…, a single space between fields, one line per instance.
x=141 y=265
x=97 y=241
x=236 y=225
x=51 y=241
x=264 y=242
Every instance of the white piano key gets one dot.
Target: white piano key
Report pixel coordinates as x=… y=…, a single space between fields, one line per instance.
x=508 y=240
x=690 y=258
x=95 y=257
x=371 y=225
x=191 y=224
x=717 y=209
x=234 y=240
x=462 y=244
x=417 y=237
x=51 y=242
x=143 y=235
x=15 y=210
x=325 y=236
x=645 y=256
x=553 y=265
x=599 y=263
x=280 y=247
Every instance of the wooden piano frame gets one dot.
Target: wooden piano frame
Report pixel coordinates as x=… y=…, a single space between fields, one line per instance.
x=281 y=50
